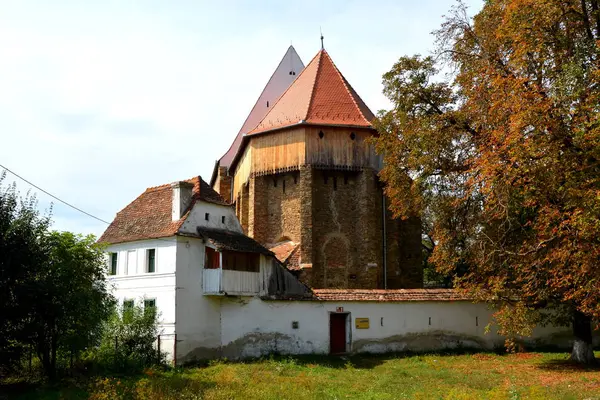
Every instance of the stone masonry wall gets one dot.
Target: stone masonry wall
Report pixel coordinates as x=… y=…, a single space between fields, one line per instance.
x=346 y=234
x=337 y=218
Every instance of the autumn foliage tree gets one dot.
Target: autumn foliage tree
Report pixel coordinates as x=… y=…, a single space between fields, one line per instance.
x=502 y=152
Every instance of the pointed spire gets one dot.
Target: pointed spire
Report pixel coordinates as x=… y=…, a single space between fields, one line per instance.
x=287 y=71
x=319 y=96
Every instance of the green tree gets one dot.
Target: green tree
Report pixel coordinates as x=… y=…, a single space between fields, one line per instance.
x=21 y=258
x=503 y=152
x=72 y=299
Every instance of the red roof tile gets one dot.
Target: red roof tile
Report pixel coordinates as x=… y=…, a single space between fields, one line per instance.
x=283 y=250
x=390 y=295
x=149 y=216
x=321 y=96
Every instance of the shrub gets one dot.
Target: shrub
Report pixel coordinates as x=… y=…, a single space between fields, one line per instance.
x=129 y=341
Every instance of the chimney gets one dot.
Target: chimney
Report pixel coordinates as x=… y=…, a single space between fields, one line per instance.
x=182 y=196
x=223 y=184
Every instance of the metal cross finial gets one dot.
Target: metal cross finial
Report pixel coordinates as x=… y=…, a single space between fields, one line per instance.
x=322 y=46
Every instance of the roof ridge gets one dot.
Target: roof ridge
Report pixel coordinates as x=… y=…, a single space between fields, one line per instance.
x=167 y=185
x=314 y=85
x=346 y=84
x=283 y=94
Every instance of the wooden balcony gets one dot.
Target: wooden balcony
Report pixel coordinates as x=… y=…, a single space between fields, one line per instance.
x=220 y=282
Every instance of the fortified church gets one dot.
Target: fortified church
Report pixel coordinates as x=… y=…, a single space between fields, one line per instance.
x=302 y=175
x=290 y=248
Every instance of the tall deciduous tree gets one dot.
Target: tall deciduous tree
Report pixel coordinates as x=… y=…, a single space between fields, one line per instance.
x=72 y=298
x=504 y=155
x=21 y=257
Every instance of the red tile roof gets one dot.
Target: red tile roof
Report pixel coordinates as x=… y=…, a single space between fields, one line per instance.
x=390 y=295
x=149 y=216
x=283 y=250
x=321 y=96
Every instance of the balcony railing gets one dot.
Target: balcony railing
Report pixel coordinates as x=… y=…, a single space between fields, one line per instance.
x=220 y=282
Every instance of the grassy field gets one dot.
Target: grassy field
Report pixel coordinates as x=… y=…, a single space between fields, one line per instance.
x=469 y=376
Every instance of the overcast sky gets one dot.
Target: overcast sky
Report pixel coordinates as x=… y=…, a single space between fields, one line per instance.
x=101 y=99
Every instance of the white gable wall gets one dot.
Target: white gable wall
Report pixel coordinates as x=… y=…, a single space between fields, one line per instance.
x=197 y=217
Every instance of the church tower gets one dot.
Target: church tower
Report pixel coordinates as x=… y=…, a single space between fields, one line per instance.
x=303 y=178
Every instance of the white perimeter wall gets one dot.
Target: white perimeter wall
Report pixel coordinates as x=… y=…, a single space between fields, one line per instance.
x=251 y=328
x=133 y=283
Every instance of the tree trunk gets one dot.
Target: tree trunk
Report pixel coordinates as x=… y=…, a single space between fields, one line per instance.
x=583 y=352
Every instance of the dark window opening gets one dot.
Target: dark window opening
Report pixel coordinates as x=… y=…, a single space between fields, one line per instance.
x=352 y=136
x=223 y=219
x=295 y=179
x=211 y=257
x=321 y=134
x=151 y=260
x=206 y=215
x=283 y=185
x=267 y=103
x=150 y=306
x=127 y=305
x=239 y=261
x=274 y=182
x=334 y=183
x=113 y=263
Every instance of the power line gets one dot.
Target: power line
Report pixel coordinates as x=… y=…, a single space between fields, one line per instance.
x=74 y=207
x=53 y=196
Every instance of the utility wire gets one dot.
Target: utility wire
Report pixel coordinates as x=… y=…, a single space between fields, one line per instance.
x=53 y=196
x=72 y=206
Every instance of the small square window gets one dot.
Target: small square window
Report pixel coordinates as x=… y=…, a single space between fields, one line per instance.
x=151 y=260
x=113 y=263
x=223 y=219
x=206 y=215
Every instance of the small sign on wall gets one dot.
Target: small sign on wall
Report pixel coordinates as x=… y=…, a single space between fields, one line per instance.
x=361 y=323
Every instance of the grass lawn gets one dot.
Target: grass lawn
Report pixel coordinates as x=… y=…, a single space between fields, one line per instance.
x=470 y=376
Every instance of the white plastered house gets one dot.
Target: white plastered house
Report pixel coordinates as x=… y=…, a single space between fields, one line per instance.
x=180 y=248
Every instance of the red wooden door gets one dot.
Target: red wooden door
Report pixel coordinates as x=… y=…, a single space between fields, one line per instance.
x=337 y=333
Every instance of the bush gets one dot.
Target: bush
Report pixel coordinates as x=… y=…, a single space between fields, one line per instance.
x=129 y=342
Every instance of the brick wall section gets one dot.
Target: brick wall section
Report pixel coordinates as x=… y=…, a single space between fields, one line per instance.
x=347 y=238
x=405 y=270
x=306 y=218
x=337 y=218
x=223 y=184
x=243 y=208
x=258 y=209
x=283 y=207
